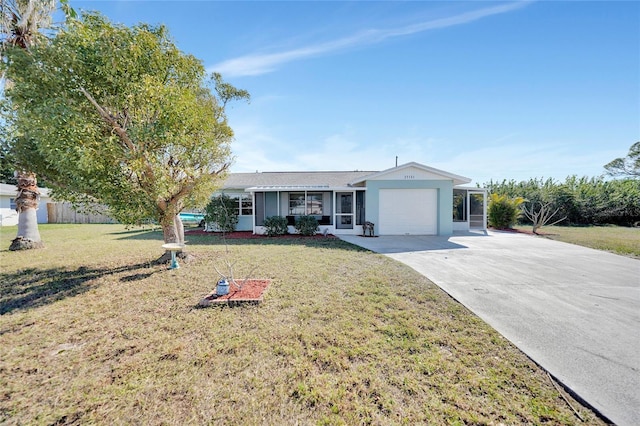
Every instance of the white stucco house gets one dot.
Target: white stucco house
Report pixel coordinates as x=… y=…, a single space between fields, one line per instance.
x=8 y=213
x=410 y=199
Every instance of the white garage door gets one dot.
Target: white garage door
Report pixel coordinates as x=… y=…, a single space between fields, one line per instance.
x=408 y=211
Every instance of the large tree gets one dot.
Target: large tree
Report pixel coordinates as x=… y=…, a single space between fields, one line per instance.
x=628 y=166
x=120 y=116
x=21 y=26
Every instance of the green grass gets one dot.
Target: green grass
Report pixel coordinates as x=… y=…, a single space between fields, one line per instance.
x=93 y=332
x=616 y=239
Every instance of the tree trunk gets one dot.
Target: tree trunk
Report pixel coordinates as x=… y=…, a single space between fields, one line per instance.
x=26 y=205
x=536 y=226
x=169 y=232
x=179 y=228
x=173 y=232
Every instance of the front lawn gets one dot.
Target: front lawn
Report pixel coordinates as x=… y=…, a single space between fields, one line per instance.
x=92 y=331
x=616 y=239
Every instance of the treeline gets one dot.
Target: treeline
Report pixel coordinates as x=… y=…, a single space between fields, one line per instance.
x=583 y=201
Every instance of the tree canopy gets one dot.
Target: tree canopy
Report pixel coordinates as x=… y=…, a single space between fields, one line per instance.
x=119 y=115
x=21 y=25
x=582 y=201
x=628 y=166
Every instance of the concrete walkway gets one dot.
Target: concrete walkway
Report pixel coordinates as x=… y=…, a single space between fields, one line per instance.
x=574 y=310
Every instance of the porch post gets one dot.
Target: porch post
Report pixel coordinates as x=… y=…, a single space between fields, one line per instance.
x=334 y=213
x=354 y=220
x=253 y=212
x=484 y=210
x=467 y=209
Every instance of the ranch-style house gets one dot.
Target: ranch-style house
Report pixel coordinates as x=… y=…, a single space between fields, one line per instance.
x=410 y=199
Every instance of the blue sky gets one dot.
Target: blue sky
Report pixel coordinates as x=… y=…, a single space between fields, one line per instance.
x=487 y=90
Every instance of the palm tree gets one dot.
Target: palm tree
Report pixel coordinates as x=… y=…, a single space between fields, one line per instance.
x=21 y=23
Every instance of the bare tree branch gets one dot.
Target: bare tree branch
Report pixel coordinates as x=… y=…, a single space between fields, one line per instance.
x=542 y=216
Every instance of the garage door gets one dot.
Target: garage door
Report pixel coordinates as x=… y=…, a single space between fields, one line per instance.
x=408 y=211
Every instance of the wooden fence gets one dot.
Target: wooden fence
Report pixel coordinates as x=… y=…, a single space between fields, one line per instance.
x=64 y=213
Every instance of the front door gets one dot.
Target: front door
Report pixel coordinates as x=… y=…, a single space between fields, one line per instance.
x=477 y=210
x=344 y=210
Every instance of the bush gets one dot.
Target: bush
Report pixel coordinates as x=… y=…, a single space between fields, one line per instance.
x=222 y=212
x=584 y=201
x=307 y=225
x=503 y=211
x=276 y=225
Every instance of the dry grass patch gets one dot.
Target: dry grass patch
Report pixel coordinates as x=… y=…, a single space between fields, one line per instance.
x=616 y=239
x=92 y=331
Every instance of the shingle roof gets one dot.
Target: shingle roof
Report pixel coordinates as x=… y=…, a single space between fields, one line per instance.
x=12 y=190
x=311 y=179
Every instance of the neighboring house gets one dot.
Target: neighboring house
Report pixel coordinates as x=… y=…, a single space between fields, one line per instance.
x=411 y=199
x=8 y=213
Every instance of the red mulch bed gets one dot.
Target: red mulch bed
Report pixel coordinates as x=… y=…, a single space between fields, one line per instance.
x=251 y=293
x=248 y=235
x=520 y=231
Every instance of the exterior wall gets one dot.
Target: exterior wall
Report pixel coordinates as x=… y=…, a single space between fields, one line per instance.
x=9 y=217
x=460 y=226
x=445 y=199
x=42 y=213
x=410 y=173
x=245 y=223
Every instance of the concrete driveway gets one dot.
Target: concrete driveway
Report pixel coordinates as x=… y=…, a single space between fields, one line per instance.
x=573 y=310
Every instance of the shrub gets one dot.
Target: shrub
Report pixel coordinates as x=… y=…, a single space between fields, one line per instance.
x=307 y=225
x=222 y=212
x=276 y=225
x=503 y=211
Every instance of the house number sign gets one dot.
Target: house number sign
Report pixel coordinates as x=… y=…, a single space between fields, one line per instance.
x=409 y=177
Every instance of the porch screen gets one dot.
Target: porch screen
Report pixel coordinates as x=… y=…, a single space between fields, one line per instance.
x=459 y=205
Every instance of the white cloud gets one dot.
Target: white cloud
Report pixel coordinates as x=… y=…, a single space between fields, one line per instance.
x=259 y=149
x=262 y=63
x=524 y=161
x=506 y=158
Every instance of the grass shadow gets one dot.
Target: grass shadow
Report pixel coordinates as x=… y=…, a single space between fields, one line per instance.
x=143 y=234
x=288 y=240
x=33 y=287
x=139 y=234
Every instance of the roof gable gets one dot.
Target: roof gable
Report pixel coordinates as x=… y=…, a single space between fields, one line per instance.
x=413 y=171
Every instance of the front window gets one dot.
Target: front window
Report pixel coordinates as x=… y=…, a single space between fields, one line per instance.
x=244 y=204
x=314 y=204
x=296 y=204
x=300 y=205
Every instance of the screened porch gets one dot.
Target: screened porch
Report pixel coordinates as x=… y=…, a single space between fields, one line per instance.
x=469 y=209
x=336 y=209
